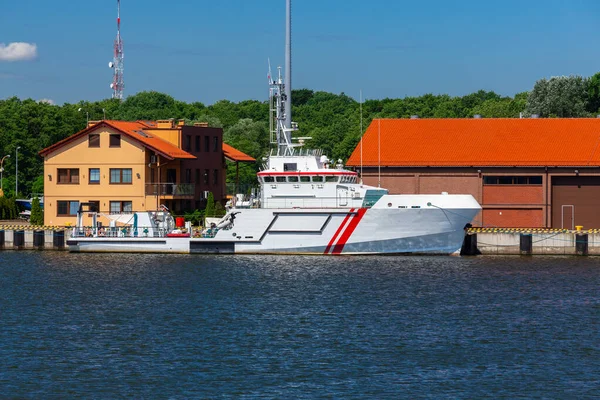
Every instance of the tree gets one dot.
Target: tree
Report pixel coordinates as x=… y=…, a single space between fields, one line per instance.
x=593 y=92
x=560 y=96
x=37 y=215
x=209 y=211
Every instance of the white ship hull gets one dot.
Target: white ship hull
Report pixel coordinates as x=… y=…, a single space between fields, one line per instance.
x=434 y=224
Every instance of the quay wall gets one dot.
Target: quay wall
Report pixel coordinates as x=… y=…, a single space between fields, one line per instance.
x=532 y=242
x=33 y=238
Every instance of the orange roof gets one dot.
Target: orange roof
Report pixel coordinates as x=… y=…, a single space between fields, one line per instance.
x=234 y=154
x=480 y=142
x=135 y=130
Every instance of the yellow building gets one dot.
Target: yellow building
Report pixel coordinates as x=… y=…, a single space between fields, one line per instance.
x=134 y=166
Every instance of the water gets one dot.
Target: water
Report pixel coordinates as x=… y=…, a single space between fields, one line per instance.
x=151 y=326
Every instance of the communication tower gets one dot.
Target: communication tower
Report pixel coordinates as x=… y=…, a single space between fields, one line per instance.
x=116 y=64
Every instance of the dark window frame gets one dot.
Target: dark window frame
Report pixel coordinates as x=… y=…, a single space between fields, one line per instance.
x=90 y=182
x=67 y=204
x=114 y=137
x=70 y=175
x=215 y=177
x=206 y=144
x=197 y=143
x=513 y=180
x=206 y=176
x=121 y=204
x=95 y=143
x=215 y=144
x=120 y=182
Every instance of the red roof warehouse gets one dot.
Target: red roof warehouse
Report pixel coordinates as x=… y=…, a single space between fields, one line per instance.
x=524 y=172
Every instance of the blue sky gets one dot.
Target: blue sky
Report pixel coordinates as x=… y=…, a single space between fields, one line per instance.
x=207 y=50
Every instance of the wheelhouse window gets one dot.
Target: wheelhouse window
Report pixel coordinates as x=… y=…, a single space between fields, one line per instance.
x=512 y=180
x=94 y=140
x=317 y=179
x=331 y=178
x=117 y=207
x=280 y=179
x=120 y=176
x=115 y=140
x=269 y=179
x=292 y=179
x=94 y=175
x=66 y=207
x=305 y=178
x=68 y=176
x=290 y=166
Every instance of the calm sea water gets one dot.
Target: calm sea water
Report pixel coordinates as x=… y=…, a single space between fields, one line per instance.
x=150 y=326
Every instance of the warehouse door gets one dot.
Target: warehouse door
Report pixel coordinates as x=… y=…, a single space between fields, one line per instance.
x=576 y=201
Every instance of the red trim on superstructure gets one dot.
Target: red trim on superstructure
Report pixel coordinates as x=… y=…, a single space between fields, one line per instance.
x=337 y=249
x=339 y=229
x=295 y=173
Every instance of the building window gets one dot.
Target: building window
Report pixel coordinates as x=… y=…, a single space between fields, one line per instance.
x=206 y=177
x=188 y=143
x=215 y=143
x=188 y=176
x=117 y=207
x=94 y=140
x=95 y=205
x=216 y=176
x=120 y=175
x=68 y=176
x=206 y=143
x=197 y=180
x=94 y=175
x=67 y=207
x=512 y=180
x=115 y=140
x=197 y=143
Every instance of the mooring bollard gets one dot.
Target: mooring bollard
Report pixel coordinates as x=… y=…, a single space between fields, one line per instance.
x=18 y=239
x=58 y=239
x=581 y=244
x=526 y=244
x=38 y=239
x=469 y=247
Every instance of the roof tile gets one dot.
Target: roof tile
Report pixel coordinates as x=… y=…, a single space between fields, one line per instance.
x=480 y=142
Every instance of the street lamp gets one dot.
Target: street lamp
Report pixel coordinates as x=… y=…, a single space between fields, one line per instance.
x=2 y=169
x=17 y=171
x=87 y=117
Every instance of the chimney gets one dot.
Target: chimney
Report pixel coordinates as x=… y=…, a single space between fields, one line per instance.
x=181 y=122
x=165 y=123
x=92 y=123
x=201 y=124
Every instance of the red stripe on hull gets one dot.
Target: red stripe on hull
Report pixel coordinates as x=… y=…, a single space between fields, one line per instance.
x=337 y=249
x=339 y=229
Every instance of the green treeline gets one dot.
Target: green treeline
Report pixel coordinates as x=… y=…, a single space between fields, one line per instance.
x=332 y=120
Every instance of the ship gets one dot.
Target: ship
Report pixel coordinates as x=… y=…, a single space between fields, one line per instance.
x=306 y=204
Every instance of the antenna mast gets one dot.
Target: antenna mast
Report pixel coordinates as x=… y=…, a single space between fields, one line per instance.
x=280 y=95
x=117 y=84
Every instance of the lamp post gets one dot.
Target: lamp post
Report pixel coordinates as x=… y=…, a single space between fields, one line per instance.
x=17 y=171
x=87 y=117
x=2 y=169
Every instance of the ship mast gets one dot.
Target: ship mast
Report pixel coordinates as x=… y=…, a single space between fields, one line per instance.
x=280 y=95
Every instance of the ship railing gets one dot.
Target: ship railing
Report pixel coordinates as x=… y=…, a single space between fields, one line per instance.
x=119 y=232
x=320 y=202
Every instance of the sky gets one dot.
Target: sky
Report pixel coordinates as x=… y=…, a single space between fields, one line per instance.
x=207 y=50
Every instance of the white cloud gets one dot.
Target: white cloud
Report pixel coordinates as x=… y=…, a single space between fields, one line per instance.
x=18 y=51
x=48 y=101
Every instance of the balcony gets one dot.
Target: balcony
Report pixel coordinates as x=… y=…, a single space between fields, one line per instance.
x=171 y=190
